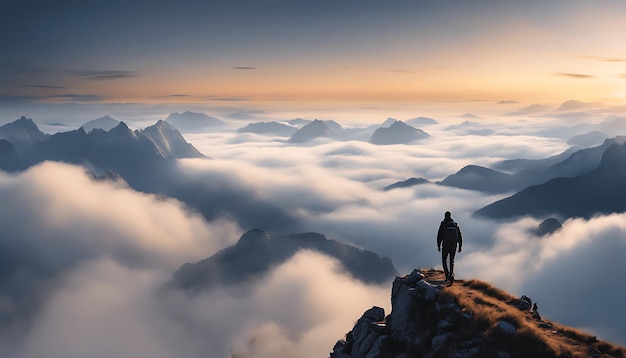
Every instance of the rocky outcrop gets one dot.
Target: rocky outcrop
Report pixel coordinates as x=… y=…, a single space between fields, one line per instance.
x=470 y=319
x=422 y=323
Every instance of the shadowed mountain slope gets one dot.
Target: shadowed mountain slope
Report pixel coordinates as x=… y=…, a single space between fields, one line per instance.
x=526 y=173
x=169 y=142
x=601 y=191
x=469 y=319
x=257 y=252
x=136 y=155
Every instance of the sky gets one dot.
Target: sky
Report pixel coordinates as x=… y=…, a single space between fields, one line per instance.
x=314 y=54
x=90 y=257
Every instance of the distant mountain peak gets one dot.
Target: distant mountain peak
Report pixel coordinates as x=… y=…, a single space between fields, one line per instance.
x=105 y=123
x=192 y=121
x=121 y=127
x=397 y=133
x=169 y=142
x=310 y=131
x=22 y=133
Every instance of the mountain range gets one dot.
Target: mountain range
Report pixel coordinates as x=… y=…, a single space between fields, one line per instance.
x=519 y=174
x=120 y=149
x=391 y=131
x=257 y=252
x=599 y=191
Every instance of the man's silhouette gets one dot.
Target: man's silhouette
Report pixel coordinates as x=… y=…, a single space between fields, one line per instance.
x=449 y=235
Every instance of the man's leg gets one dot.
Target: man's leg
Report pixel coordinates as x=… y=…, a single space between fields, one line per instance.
x=452 y=254
x=444 y=256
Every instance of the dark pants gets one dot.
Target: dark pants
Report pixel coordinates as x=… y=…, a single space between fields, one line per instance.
x=444 y=256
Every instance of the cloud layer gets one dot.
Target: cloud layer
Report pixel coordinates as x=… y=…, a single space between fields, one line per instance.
x=91 y=258
x=85 y=255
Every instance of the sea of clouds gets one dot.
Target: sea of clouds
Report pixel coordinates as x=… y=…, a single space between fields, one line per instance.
x=85 y=263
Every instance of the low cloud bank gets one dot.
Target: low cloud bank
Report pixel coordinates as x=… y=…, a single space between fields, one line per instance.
x=106 y=309
x=84 y=267
x=573 y=274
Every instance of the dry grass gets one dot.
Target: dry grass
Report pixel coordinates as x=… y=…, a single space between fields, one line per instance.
x=490 y=290
x=489 y=305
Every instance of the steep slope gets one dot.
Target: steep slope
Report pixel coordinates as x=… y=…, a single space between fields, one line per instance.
x=169 y=142
x=601 y=191
x=397 y=133
x=22 y=133
x=9 y=159
x=469 y=319
x=257 y=252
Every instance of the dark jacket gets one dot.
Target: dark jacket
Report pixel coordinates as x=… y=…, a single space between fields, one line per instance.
x=442 y=227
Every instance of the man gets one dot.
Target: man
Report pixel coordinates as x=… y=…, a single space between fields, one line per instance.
x=449 y=235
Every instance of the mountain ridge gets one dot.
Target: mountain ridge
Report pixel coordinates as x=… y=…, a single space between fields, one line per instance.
x=257 y=252
x=600 y=191
x=468 y=319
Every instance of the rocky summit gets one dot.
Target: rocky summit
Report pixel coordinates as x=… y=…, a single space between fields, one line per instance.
x=467 y=319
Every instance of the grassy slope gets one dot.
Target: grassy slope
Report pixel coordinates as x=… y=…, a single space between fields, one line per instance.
x=540 y=338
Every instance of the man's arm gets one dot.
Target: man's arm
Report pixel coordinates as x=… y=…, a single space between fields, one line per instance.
x=460 y=238
x=439 y=237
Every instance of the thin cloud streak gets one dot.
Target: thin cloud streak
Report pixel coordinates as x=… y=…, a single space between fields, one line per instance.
x=107 y=75
x=44 y=86
x=575 y=75
x=604 y=59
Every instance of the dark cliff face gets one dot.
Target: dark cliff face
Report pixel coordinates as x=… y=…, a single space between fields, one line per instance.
x=469 y=319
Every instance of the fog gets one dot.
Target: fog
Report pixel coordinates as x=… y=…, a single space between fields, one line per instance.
x=573 y=274
x=84 y=262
